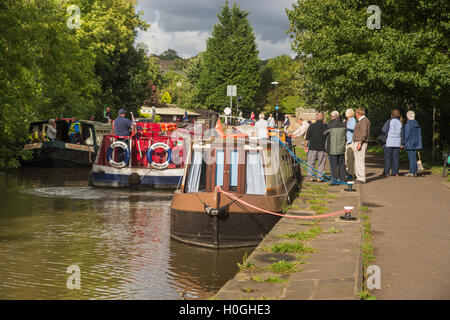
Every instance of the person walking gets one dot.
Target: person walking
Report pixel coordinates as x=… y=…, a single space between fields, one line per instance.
x=335 y=142
x=349 y=155
x=361 y=136
x=315 y=147
x=413 y=142
x=393 y=128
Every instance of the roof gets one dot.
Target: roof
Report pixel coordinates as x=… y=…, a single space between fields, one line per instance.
x=168 y=111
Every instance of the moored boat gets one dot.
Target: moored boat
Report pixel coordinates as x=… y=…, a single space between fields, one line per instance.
x=255 y=171
x=60 y=152
x=152 y=157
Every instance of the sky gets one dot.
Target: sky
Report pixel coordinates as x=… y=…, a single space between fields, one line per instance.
x=185 y=25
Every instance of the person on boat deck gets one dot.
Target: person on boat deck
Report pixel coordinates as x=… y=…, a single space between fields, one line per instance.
x=108 y=116
x=74 y=131
x=335 y=146
x=261 y=127
x=271 y=121
x=51 y=130
x=123 y=127
x=315 y=147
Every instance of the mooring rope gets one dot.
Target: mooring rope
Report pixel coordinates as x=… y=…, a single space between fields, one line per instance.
x=322 y=177
x=233 y=197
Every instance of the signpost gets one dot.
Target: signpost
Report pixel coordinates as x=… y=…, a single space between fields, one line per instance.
x=231 y=92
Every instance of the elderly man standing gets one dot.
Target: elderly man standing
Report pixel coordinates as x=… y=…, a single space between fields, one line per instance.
x=335 y=146
x=413 y=142
x=361 y=136
x=261 y=127
x=302 y=129
x=315 y=146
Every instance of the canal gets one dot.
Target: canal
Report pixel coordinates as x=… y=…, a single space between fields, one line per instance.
x=120 y=240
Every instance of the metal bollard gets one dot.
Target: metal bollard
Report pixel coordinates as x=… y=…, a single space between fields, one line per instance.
x=350 y=186
x=348 y=215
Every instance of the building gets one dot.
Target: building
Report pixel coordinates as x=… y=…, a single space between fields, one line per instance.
x=171 y=114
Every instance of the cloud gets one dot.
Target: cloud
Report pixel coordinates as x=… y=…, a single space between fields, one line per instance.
x=185 y=25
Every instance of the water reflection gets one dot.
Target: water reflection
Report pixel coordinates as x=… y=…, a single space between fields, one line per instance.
x=120 y=239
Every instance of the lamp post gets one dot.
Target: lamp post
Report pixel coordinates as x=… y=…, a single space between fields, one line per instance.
x=275 y=83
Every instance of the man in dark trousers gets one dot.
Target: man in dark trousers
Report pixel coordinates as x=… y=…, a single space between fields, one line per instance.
x=123 y=128
x=315 y=147
x=335 y=146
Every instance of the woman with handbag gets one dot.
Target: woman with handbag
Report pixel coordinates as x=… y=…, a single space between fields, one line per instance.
x=413 y=142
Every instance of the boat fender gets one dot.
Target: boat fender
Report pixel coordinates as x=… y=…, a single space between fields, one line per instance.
x=159 y=166
x=90 y=184
x=124 y=163
x=134 y=179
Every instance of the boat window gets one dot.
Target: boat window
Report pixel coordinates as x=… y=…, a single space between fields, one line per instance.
x=256 y=182
x=197 y=174
x=220 y=164
x=234 y=165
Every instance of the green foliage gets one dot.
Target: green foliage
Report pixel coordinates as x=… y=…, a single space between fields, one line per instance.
x=169 y=54
x=283 y=266
x=166 y=98
x=304 y=235
x=404 y=65
x=286 y=72
x=231 y=58
x=292 y=247
x=48 y=70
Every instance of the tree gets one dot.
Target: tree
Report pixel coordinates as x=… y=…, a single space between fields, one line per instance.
x=48 y=69
x=169 y=54
x=231 y=58
x=286 y=72
x=166 y=98
x=404 y=65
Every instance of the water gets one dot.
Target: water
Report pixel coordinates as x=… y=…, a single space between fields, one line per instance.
x=120 y=240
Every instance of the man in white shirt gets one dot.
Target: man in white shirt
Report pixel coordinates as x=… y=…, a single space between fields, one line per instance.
x=261 y=127
x=301 y=131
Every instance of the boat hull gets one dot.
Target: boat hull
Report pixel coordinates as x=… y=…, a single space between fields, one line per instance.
x=105 y=176
x=60 y=154
x=235 y=226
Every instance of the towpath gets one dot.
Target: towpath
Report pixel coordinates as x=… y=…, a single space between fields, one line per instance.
x=410 y=220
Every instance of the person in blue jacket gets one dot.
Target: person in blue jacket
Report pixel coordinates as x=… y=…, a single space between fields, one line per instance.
x=394 y=130
x=413 y=142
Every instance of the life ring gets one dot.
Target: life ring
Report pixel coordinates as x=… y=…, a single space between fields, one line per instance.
x=124 y=163
x=165 y=164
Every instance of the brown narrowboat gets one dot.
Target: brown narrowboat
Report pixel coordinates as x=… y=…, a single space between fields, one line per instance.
x=257 y=171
